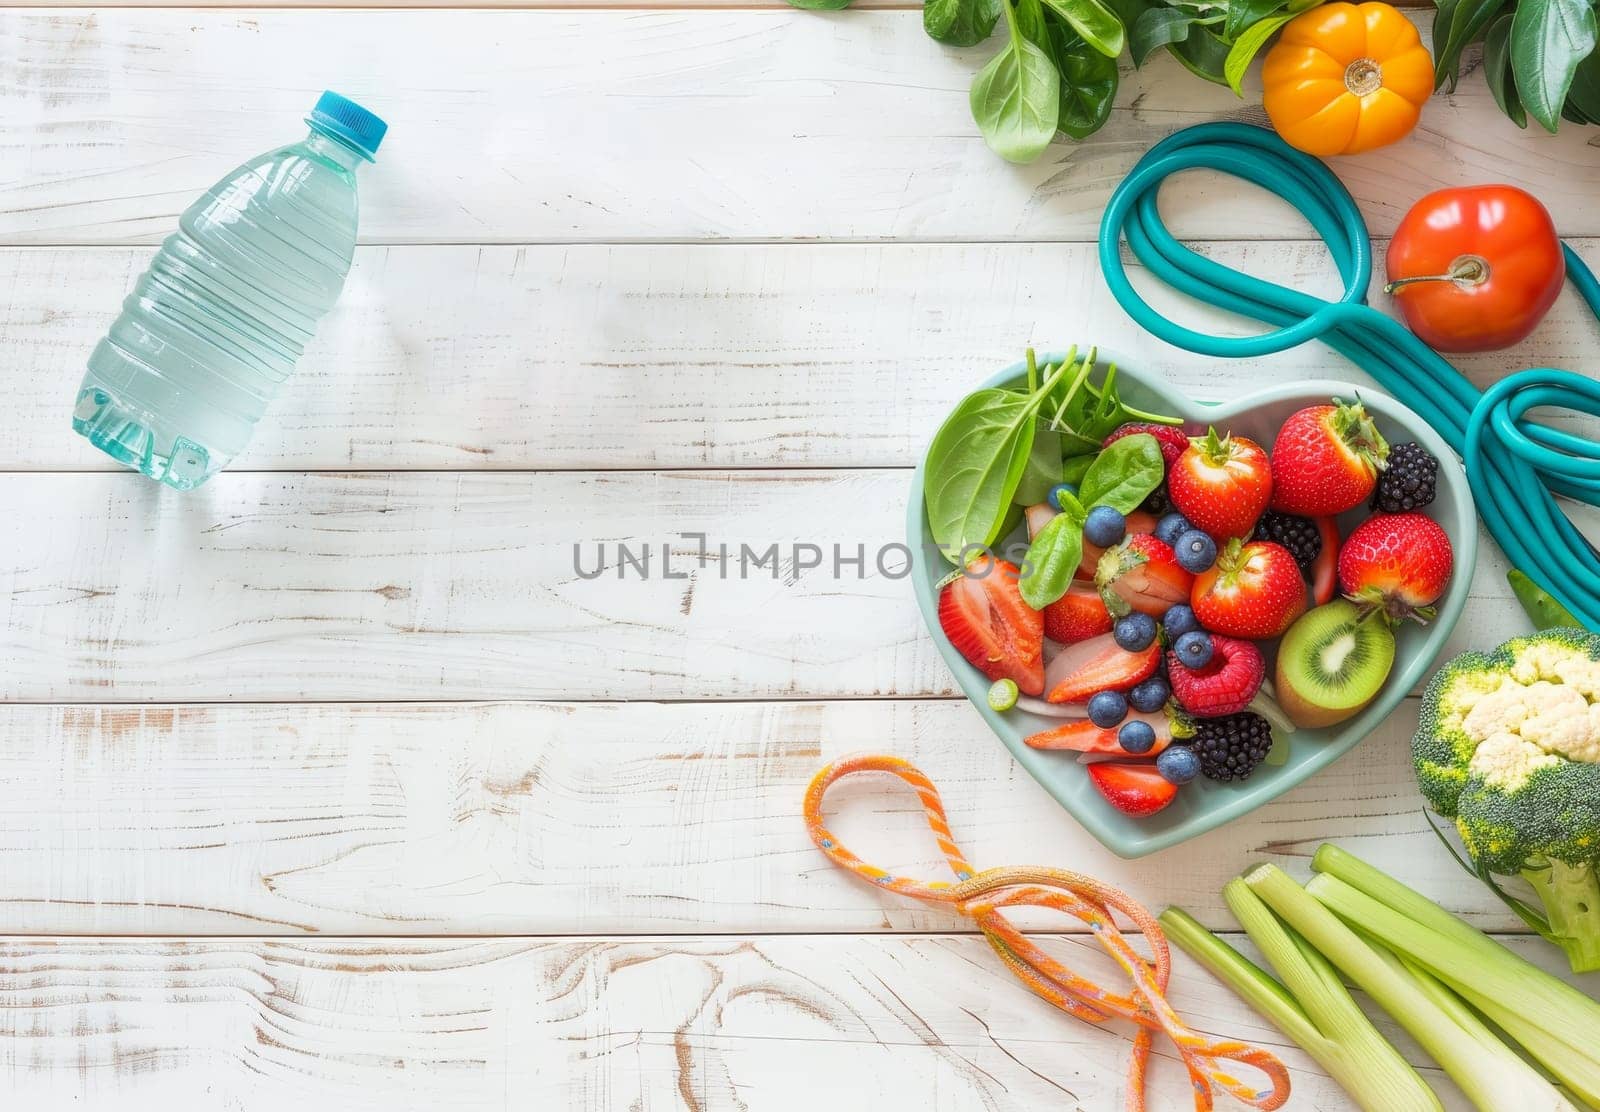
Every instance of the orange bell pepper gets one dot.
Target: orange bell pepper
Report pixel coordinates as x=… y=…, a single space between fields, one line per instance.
x=1345 y=78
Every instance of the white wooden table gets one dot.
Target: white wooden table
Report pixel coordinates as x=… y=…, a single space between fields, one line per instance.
x=333 y=785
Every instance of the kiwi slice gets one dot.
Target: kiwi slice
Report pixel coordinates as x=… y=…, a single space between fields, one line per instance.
x=1332 y=662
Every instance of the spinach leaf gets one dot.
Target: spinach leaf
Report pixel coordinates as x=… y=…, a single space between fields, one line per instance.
x=1458 y=24
x=975 y=463
x=1548 y=40
x=1497 y=70
x=1030 y=21
x=1240 y=55
x=1124 y=474
x=1088 y=83
x=960 y=22
x=1156 y=28
x=1097 y=24
x=1043 y=469
x=1074 y=469
x=1203 y=53
x=1244 y=14
x=1016 y=97
x=1053 y=557
x=1584 y=96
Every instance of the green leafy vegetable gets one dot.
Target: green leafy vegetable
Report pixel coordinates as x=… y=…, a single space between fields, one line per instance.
x=1043 y=470
x=1053 y=557
x=1458 y=23
x=1155 y=28
x=1095 y=23
x=1088 y=83
x=960 y=22
x=1203 y=53
x=1123 y=475
x=1016 y=98
x=1030 y=21
x=1497 y=70
x=1244 y=14
x=1549 y=38
x=1245 y=48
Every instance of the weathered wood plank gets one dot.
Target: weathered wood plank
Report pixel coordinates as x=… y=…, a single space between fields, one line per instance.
x=664 y=356
x=607 y=126
x=590 y=818
x=587 y=1024
x=432 y=585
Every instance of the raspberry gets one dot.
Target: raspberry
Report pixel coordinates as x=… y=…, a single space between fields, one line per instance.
x=1224 y=685
x=1173 y=440
x=1230 y=748
x=1409 y=482
x=1299 y=535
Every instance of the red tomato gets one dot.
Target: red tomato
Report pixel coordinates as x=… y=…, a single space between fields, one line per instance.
x=1475 y=269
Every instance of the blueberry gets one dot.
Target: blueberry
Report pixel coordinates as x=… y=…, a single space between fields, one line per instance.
x=1151 y=695
x=1104 y=527
x=1196 y=552
x=1194 y=648
x=1178 y=764
x=1179 y=620
x=1137 y=736
x=1056 y=492
x=1171 y=527
x=1107 y=708
x=1134 y=632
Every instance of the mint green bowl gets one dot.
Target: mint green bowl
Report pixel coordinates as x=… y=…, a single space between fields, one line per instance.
x=1205 y=804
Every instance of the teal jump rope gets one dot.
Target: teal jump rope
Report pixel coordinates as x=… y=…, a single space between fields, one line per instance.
x=1515 y=466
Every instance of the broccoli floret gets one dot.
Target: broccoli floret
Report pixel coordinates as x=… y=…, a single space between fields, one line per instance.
x=1509 y=746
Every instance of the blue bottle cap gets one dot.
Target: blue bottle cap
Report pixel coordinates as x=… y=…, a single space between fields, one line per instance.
x=348 y=122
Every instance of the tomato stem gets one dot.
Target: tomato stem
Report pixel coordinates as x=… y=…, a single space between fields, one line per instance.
x=1468 y=270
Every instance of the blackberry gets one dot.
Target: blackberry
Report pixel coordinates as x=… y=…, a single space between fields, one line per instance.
x=1299 y=535
x=1230 y=747
x=1409 y=482
x=1157 y=502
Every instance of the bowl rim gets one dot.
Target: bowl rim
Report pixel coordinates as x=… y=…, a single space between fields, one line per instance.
x=1240 y=799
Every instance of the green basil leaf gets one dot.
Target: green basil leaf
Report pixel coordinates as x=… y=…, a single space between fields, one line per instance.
x=1248 y=46
x=1458 y=24
x=1124 y=474
x=1043 y=469
x=1156 y=28
x=1074 y=469
x=1548 y=40
x=1243 y=14
x=973 y=467
x=1088 y=84
x=1095 y=23
x=1016 y=99
x=1497 y=70
x=960 y=22
x=1203 y=53
x=1053 y=557
x=1584 y=96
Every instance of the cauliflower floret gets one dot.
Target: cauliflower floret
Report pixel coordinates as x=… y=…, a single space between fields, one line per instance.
x=1501 y=708
x=1554 y=717
x=1505 y=761
x=1558 y=663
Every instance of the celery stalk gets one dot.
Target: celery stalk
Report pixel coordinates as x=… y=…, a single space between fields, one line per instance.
x=1316 y=1010
x=1493 y=1077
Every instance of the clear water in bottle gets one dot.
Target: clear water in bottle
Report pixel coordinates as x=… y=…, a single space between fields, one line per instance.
x=216 y=324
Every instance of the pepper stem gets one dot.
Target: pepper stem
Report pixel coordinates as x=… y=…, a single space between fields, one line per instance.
x=1468 y=270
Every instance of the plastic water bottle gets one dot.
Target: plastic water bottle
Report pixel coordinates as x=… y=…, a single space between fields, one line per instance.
x=219 y=320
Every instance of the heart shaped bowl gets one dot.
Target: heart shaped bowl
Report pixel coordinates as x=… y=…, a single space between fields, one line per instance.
x=1206 y=804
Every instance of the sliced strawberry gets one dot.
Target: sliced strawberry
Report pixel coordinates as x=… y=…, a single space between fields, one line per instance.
x=1325 y=572
x=1038 y=516
x=1098 y=664
x=983 y=614
x=1173 y=440
x=1142 y=574
x=1225 y=685
x=1133 y=789
x=1077 y=615
x=1138 y=522
x=1082 y=736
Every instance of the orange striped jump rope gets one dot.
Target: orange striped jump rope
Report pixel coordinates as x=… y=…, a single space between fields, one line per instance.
x=980 y=896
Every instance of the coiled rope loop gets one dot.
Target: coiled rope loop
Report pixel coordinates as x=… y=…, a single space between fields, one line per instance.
x=1515 y=465
x=981 y=895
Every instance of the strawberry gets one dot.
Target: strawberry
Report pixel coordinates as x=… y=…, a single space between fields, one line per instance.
x=1172 y=439
x=1225 y=685
x=1142 y=573
x=1326 y=460
x=1398 y=563
x=1324 y=572
x=1253 y=590
x=1139 y=521
x=983 y=614
x=1082 y=736
x=1132 y=788
x=1221 y=484
x=1077 y=615
x=1098 y=664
